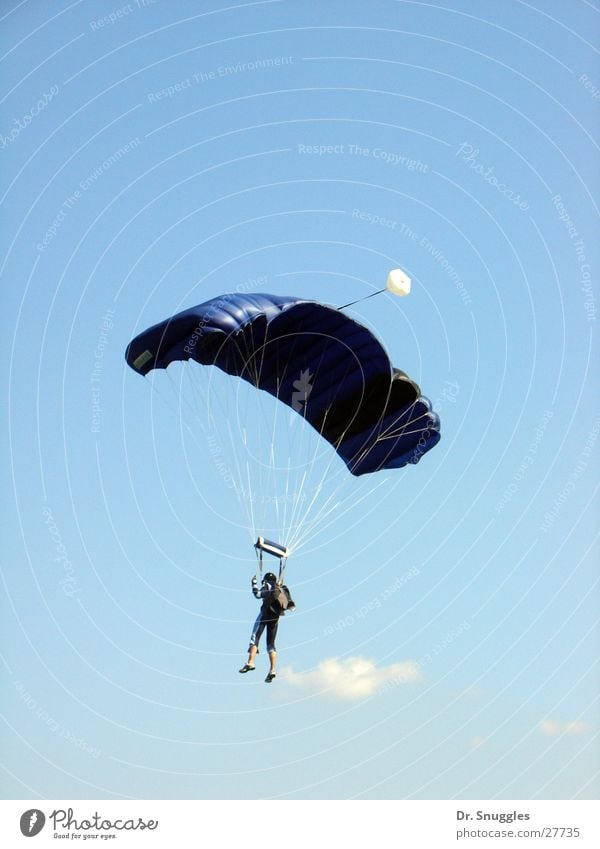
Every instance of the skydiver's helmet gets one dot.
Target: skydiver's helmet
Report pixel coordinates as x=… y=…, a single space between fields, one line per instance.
x=270 y=578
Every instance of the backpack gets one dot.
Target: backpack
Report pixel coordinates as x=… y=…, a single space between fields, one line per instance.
x=280 y=600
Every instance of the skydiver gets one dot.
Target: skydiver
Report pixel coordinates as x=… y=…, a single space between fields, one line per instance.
x=268 y=618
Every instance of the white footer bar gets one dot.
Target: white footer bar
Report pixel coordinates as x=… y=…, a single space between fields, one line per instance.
x=301 y=824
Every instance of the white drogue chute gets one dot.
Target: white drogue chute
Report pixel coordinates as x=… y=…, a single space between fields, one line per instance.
x=398 y=282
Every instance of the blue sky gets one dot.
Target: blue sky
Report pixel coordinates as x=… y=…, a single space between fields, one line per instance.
x=446 y=639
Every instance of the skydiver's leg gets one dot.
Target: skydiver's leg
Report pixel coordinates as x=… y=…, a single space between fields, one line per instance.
x=271 y=635
x=257 y=630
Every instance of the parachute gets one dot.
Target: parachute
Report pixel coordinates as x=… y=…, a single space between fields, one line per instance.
x=325 y=366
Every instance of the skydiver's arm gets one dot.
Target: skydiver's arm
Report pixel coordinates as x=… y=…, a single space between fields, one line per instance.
x=258 y=592
x=261 y=592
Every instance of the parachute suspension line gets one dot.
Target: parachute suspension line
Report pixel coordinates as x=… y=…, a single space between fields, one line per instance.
x=250 y=482
x=302 y=530
x=305 y=516
x=183 y=414
x=271 y=485
x=296 y=515
x=357 y=458
x=259 y=557
x=159 y=394
x=297 y=449
x=297 y=435
x=262 y=478
x=196 y=411
x=239 y=488
x=248 y=489
x=201 y=396
x=321 y=516
x=251 y=499
x=401 y=433
x=245 y=491
x=289 y=531
x=263 y=350
x=313 y=522
x=394 y=429
x=295 y=531
x=286 y=496
x=319 y=486
x=203 y=402
x=310 y=523
x=271 y=478
x=176 y=393
x=287 y=479
x=188 y=405
x=169 y=406
x=261 y=467
x=294 y=482
x=366 y=298
x=282 y=565
x=299 y=514
x=316 y=522
x=299 y=518
x=254 y=364
x=250 y=368
x=389 y=433
x=194 y=403
x=276 y=482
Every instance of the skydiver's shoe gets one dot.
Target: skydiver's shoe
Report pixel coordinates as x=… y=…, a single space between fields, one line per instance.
x=291 y=606
x=270 y=677
x=247 y=668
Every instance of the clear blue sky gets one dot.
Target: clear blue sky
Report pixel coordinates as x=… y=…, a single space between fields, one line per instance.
x=156 y=155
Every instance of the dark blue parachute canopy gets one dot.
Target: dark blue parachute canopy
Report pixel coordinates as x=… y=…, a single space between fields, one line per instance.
x=312 y=357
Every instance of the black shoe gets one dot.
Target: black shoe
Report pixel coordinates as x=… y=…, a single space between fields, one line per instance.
x=247 y=668
x=270 y=677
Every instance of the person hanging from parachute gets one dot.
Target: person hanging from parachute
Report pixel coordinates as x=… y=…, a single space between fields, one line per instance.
x=276 y=601
x=328 y=368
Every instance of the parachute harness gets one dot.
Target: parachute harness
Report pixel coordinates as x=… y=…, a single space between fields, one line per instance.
x=263 y=545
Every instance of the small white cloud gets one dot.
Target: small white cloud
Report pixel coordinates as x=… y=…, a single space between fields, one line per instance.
x=575 y=727
x=553 y=728
x=352 y=677
x=550 y=727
